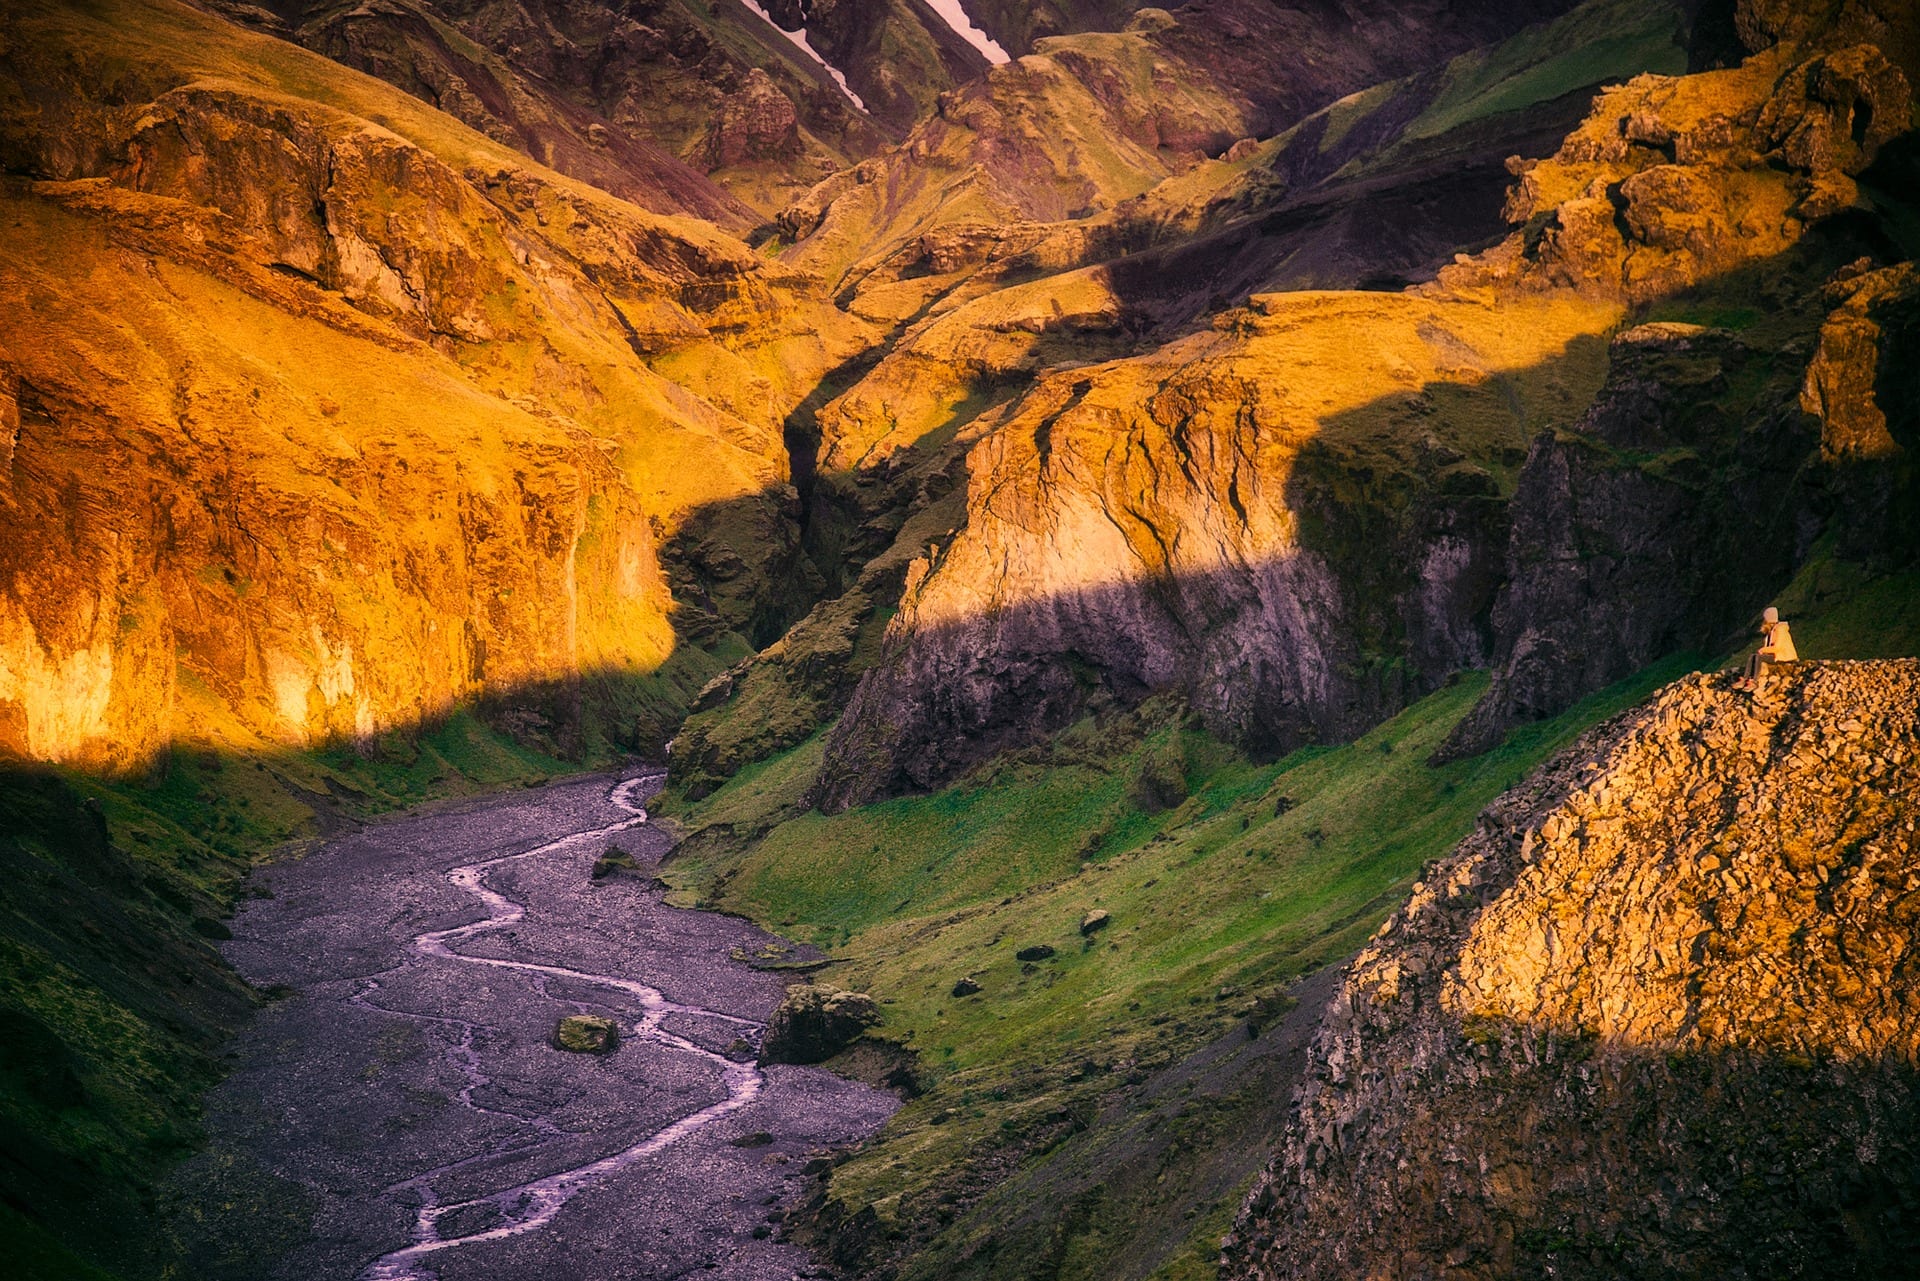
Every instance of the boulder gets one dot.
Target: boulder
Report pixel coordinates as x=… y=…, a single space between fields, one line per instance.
x=614 y=860
x=965 y=986
x=1038 y=952
x=1094 y=921
x=815 y=1023
x=586 y=1034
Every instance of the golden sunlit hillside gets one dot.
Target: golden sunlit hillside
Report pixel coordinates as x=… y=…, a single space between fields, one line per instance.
x=940 y=640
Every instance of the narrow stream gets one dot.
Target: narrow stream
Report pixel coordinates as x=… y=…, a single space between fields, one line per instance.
x=406 y=1101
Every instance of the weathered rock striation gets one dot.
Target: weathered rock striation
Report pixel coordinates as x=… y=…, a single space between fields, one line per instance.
x=1297 y=518
x=1658 y=1016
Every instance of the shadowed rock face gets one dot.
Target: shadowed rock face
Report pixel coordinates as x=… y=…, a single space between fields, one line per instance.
x=1657 y=1017
x=1657 y=521
x=813 y=1024
x=1296 y=519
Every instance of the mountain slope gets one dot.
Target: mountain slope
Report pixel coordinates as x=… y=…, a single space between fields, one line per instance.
x=1288 y=516
x=1088 y=121
x=321 y=428
x=1657 y=1016
x=603 y=91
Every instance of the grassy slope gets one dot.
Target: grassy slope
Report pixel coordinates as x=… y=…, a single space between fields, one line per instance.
x=1025 y=1156
x=1595 y=43
x=1216 y=904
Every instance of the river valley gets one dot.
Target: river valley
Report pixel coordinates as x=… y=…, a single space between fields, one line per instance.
x=405 y=1095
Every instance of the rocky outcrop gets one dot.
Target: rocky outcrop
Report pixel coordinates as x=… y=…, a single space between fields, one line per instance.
x=1299 y=540
x=586 y=1034
x=815 y=1023
x=1663 y=521
x=755 y=122
x=1657 y=1017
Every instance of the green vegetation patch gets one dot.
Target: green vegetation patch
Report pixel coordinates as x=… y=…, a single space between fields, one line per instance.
x=1594 y=44
x=1224 y=880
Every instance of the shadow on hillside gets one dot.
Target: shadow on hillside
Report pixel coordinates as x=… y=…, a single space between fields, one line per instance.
x=1416 y=516
x=1610 y=1160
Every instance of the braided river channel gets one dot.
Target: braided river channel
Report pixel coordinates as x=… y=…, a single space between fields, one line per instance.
x=400 y=1111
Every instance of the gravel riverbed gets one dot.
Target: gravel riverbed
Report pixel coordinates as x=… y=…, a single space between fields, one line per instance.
x=401 y=1112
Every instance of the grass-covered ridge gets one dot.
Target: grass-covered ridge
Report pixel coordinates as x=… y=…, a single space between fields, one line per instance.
x=1224 y=880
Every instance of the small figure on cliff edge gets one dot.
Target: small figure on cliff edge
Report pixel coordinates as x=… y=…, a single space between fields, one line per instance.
x=1776 y=646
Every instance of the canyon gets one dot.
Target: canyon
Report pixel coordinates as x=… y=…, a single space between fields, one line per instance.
x=1216 y=474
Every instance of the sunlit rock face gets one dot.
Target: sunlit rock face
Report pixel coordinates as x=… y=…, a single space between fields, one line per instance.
x=1657 y=1017
x=1256 y=517
x=1613 y=558
x=316 y=426
x=1298 y=518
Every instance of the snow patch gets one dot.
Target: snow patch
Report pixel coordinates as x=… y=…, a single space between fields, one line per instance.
x=954 y=14
x=800 y=41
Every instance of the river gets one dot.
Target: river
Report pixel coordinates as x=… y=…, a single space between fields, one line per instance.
x=400 y=1113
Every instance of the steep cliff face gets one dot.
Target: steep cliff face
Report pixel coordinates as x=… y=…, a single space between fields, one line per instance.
x=318 y=426
x=1657 y=1017
x=1296 y=518
x=1660 y=520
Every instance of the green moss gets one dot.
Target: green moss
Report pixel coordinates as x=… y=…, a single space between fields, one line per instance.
x=33 y=1255
x=1263 y=873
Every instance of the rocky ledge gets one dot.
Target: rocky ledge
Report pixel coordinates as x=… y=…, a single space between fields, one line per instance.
x=1657 y=1017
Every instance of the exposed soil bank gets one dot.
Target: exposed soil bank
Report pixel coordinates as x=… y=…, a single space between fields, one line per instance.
x=404 y=1113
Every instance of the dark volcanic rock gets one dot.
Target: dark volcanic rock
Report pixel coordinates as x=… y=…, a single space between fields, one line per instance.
x=1661 y=516
x=1039 y=952
x=615 y=860
x=815 y=1023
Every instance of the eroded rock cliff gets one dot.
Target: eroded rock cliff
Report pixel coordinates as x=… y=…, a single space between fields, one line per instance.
x=1658 y=1016
x=1297 y=518
x=318 y=426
